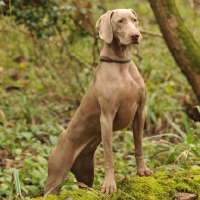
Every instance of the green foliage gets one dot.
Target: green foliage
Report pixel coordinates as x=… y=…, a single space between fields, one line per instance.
x=27 y=136
x=29 y=155
x=38 y=16
x=15 y=181
x=183 y=154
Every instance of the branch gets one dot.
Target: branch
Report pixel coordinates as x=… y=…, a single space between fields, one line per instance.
x=151 y=33
x=80 y=61
x=14 y=26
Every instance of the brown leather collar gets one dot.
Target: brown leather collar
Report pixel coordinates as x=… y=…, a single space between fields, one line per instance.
x=103 y=59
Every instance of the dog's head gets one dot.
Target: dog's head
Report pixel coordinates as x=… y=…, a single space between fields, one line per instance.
x=121 y=24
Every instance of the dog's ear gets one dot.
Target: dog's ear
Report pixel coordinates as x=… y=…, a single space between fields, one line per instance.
x=134 y=12
x=103 y=24
x=137 y=21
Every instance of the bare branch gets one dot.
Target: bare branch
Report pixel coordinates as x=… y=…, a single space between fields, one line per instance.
x=151 y=33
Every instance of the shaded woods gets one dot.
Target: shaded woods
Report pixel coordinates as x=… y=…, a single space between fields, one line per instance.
x=48 y=52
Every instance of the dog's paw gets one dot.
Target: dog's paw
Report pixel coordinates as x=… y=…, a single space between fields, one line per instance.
x=108 y=187
x=144 y=171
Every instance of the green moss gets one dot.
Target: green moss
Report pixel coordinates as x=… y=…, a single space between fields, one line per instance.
x=162 y=185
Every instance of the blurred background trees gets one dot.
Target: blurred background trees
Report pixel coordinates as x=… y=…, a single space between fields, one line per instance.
x=48 y=52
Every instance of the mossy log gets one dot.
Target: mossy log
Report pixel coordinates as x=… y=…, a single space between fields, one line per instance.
x=160 y=186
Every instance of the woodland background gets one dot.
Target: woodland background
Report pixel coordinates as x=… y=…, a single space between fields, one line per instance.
x=48 y=52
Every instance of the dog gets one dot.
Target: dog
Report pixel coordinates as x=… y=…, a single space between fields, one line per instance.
x=115 y=98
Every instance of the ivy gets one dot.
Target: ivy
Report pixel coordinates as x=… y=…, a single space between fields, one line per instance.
x=40 y=17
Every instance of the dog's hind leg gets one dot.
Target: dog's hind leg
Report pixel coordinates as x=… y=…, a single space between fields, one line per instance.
x=60 y=162
x=83 y=168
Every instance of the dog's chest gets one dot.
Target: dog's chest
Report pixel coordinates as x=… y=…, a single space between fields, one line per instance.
x=121 y=89
x=131 y=95
x=131 y=89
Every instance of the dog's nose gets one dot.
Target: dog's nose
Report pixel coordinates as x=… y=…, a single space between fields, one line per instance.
x=135 y=36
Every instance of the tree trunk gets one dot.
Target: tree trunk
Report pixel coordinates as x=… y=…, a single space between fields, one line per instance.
x=83 y=16
x=179 y=40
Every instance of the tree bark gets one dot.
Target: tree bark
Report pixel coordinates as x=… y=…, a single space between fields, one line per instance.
x=83 y=16
x=179 y=40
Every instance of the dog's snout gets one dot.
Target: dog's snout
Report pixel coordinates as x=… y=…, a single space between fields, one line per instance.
x=135 y=36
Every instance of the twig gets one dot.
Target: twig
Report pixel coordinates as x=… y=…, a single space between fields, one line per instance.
x=35 y=69
x=14 y=26
x=151 y=33
x=11 y=190
x=72 y=55
x=79 y=82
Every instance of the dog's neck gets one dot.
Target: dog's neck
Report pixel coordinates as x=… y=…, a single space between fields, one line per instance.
x=116 y=51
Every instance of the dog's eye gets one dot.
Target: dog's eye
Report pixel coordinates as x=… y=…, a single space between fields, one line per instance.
x=135 y=20
x=120 y=21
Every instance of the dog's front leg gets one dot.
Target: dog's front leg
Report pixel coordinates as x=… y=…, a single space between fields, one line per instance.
x=138 y=124
x=106 y=119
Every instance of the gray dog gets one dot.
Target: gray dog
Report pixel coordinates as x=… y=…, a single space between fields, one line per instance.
x=114 y=99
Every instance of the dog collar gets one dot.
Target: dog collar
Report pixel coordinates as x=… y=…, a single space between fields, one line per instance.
x=103 y=59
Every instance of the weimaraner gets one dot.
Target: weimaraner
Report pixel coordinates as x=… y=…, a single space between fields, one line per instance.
x=114 y=99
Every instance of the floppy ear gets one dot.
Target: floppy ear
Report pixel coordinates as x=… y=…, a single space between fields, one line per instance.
x=134 y=12
x=103 y=24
